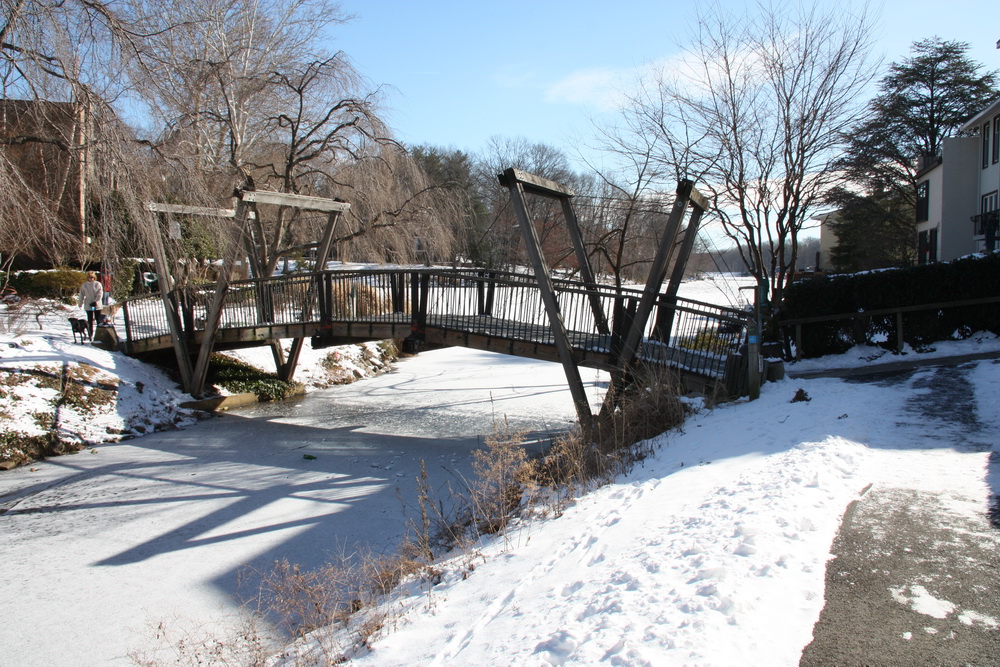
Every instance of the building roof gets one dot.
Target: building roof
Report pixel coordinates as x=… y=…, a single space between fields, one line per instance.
x=989 y=111
x=928 y=165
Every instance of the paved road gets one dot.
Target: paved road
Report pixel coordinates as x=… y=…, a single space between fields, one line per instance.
x=913 y=582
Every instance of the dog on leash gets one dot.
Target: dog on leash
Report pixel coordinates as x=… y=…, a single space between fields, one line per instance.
x=79 y=327
x=110 y=311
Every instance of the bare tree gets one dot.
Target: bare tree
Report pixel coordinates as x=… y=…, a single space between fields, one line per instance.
x=59 y=134
x=397 y=214
x=630 y=203
x=210 y=65
x=323 y=123
x=756 y=112
x=247 y=93
x=501 y=238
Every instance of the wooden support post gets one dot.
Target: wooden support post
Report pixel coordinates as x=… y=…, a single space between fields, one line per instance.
x=753 y=349
x=491 y=290
x=278 y=353
x=899 y=332
x=657 y=272
x=586 y=272
x=214 y=314
x=326 y=244
x=128 y=324
x=286 y=369
x=397 y=290
x=514 y=181
x=665 y=317
x=481 y=294
x=166 y=281
x=421 y=312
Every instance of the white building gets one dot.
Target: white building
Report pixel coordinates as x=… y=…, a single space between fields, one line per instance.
x=957 y=194
x=947 y=201
x=987 y=124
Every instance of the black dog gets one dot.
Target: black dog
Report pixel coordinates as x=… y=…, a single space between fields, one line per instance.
x=79 y=327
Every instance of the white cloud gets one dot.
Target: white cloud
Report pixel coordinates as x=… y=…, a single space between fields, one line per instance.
x=594 y=87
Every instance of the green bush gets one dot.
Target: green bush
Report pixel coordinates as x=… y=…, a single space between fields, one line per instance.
x=123 y=279
x=964 y=279
x=241 y=378
x=61 y=284
x=705 y=340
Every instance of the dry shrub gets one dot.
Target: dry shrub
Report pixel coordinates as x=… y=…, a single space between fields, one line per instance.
x=381 y=574
x=620 y=436
x=239 y=644
x=358 y=300
x=349 y=594
x=303 y=600
x=505 y=481
x=504 y=478
x=646 y=407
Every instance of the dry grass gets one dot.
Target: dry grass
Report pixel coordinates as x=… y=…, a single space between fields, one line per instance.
x=358 y=300
x=243 y=644
x=620 y=436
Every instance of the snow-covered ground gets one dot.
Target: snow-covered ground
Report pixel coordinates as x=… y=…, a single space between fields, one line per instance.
x=710 y=553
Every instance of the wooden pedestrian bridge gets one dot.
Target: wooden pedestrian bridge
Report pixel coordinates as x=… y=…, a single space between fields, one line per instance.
x=429 y=308
x=577 y=322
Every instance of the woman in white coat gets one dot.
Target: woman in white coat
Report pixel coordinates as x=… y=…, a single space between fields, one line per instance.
x=91 y=293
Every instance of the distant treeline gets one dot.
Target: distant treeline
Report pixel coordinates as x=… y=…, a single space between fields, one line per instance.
x=728 y=259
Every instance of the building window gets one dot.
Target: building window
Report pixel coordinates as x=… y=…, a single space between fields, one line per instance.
x=927 y=243
x=990 y=202
x=988 y=220
x=986 y=144
x=923 y=200
x=996 y=139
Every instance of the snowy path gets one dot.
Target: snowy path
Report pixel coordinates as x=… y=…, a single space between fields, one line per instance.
x=99 y=549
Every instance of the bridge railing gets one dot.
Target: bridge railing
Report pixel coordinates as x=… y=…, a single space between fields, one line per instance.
x=694 y=335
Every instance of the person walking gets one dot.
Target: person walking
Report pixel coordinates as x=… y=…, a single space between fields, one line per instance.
x=90 y=295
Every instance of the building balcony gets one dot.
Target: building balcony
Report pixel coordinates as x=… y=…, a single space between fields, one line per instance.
x=986 y=226
x=985 y=223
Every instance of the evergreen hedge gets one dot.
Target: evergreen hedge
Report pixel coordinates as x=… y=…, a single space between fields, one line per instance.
x=61 y=284
x=972 y=277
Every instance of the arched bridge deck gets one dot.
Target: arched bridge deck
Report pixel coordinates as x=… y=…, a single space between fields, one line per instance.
x=494 y=311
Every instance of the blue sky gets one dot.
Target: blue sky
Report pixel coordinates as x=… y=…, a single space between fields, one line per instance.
x=459 y=72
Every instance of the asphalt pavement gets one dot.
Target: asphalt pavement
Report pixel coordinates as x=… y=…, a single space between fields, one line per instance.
x=911 y=581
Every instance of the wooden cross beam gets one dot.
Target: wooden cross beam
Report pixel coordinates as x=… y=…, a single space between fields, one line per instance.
x=181 y=209
x=294 y=201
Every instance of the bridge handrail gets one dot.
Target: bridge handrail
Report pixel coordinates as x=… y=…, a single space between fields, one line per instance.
x=436 y=297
